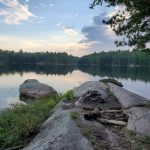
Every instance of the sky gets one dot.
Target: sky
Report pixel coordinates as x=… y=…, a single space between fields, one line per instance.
x=55 y=26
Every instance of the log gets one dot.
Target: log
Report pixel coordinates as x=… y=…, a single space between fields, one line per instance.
x=112 y=111
x=115 y=122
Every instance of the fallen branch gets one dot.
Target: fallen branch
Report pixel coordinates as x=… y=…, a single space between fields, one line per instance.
x=115 y=122
x=112 y=111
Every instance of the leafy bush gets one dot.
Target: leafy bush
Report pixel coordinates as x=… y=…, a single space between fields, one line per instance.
x=20 y=123
x=112 y=81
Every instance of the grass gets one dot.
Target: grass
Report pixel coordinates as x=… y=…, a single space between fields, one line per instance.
x=69 y=95
x=19 y=124
x=74 y=115
x=140 y=141
x=112 y=81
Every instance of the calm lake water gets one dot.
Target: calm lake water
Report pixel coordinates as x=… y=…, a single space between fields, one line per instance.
x=63 y=78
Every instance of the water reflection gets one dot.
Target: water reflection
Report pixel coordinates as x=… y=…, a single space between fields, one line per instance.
x=38 y=69
x=124 y=72
x=63 y=78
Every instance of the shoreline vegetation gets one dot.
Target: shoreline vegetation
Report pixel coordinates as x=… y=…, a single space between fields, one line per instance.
x=111 y=58
x=44 y=64
x=20 y=123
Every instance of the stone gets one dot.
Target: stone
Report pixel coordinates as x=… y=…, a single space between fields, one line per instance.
x=31 y=88
x=114 y=140
x=92 y=86
x=126 y=98
x=60 y=132
x=139 y=120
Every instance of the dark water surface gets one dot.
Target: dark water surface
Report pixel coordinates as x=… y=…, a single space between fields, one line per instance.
x=63 y=78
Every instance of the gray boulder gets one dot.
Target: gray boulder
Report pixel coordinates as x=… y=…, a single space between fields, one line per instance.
x=91 y=86
x=125 y=97
x=60 y=132
x=139 y=120
x=31 y=88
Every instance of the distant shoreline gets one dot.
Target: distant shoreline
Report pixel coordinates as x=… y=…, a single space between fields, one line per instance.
x=50 y=64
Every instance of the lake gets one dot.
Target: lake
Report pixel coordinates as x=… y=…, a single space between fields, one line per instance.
x=63 y=78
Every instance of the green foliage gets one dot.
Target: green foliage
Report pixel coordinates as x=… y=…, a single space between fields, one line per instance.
x=112 y=81
x=133 y=22
x=103 y=58
x=119 y=58
x=20 y=123
x=69 y=95
x=41 y=58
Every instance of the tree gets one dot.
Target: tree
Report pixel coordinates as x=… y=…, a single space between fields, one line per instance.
x=133 y=22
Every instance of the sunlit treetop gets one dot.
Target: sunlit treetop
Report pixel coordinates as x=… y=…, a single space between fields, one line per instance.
x=132 y=22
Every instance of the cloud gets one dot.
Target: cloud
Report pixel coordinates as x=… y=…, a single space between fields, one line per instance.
x=51 y=5
x=77 y=14
x=51 y=44
x=27 y=1
x=14 y=13
x=42 y=5
x=70 y=31
x=100 y=36
x=59 y=24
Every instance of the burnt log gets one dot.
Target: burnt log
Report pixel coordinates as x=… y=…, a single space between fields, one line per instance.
x=92 y=97
x=93 y=115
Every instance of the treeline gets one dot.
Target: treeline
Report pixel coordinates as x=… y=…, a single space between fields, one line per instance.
x=11 y=57
x=112 y=58
x=122 y=58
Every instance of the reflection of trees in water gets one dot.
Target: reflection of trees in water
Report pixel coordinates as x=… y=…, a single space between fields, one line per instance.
x=44 y=69
x=133 y=73
x=125 y=72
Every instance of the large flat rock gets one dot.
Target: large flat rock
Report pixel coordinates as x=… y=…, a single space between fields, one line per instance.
x=125 y=97
x=91 y=86
x=139 y=120
x=33 y=89
x=60 y=132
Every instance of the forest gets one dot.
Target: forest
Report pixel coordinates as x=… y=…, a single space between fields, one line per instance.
x=11 y=57
x=111 y=58
x=121 y=58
